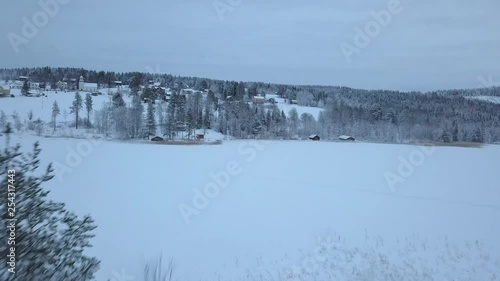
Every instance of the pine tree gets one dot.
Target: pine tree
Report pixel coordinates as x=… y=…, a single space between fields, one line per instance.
x=7 y=131
x=455 y=130
x=189 y=123
x=76 y=107
x=26 y=88
x=212 y=99
x=180 y=112
x=50 y=240
x=478 y=136
x=241 y=90
x=135 y=83
x=444 y=137
x=207 y=115
x=17 y=121
x=170 y=121
x=55 y=111
x=294 y=122
x=150 y=120
x=30 y=120
x=3 y=120
x=203 y=85
x=118 y=100
x=136 y=116
x=119 y=116
x=88 y=107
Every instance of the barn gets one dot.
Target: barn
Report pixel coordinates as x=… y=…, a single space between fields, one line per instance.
x=346 y=138
x=314 y=137
x=157 y=139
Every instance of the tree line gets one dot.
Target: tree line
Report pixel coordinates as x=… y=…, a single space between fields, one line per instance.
x=226 y=106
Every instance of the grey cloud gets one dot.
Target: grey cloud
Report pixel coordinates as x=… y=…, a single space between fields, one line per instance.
x=430 y=45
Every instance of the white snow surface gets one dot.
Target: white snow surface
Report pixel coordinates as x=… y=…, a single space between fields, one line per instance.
x=268 y=217
x=286 y=107
x=42 y=106
x=492 y=99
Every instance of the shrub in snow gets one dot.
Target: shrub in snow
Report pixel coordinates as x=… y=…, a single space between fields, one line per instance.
x=411 y=259
x=157 y=271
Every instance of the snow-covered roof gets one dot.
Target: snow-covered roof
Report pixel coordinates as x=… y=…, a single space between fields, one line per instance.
x=344 y=137
x=313 y=136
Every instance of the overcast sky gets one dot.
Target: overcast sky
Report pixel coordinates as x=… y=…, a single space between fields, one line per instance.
x=428 y=45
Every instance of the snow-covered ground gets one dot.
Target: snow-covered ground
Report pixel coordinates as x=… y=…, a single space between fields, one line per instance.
x=314 y=111
x=42 y=106
x=286 y=107
x=256 y=209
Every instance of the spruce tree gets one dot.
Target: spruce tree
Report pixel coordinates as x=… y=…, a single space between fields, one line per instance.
x=150 y=120
x=118 y=100
x=455 y=130
x=88 y=107
x=444 y=137
x=136 y=115
x=76 y=107
x=170 y=121
x=50 y=240
x=135 y=83
x=55 y=111
x=26 y=88
x=478 y=136
x=3 y=120
x=207 y=116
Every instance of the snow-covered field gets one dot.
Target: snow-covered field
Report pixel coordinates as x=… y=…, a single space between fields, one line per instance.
x=256 y=209
x=314 y=111
x=42 y=106
x=286 y=107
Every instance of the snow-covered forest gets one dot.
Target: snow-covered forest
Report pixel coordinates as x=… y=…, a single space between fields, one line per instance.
x=172 y=106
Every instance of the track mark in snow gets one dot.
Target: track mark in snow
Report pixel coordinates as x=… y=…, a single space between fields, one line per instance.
x=310 y=184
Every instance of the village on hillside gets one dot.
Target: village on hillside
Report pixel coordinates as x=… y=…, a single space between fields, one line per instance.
x=160 y=96
x=185 y=108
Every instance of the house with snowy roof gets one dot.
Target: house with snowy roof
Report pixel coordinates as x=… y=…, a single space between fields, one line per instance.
x=346 y=138
x=258 y=100
x=86 y=87
x=314 y=137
